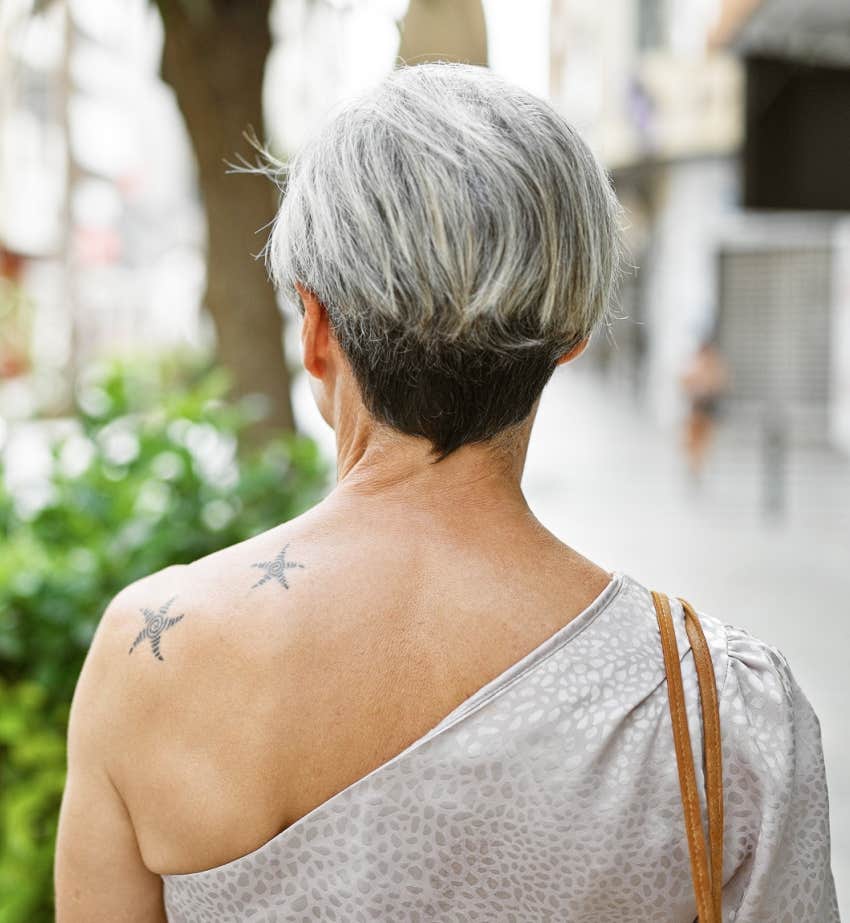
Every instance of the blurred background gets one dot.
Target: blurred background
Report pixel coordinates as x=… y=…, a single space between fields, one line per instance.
x=151 y=404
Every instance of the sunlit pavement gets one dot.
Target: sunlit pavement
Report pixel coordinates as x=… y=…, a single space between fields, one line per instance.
x=613 y=487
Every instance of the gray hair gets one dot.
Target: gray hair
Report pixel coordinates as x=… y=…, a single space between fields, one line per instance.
x=461 y=236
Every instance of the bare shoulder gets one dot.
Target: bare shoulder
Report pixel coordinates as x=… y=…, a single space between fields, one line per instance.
x=137 y=609
x=106 y=692
x=189 y=668
x=180 y=615
x=136 y=620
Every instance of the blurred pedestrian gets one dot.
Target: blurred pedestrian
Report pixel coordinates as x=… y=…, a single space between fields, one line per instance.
x=705 y=382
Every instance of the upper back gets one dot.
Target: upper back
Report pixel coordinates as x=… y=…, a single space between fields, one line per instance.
x=278 y=671
x=426 y=753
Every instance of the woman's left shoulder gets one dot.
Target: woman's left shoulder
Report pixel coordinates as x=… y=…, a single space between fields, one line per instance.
x=763 y=708
x=747 y=665
x=775 y=784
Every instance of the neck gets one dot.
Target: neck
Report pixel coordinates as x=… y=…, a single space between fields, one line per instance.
x=380 y=467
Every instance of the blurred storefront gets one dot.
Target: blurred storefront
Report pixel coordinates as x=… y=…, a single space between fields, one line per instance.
x=667 y=95
x=796 y=189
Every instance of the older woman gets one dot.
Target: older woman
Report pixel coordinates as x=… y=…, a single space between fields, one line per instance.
x=414 y=703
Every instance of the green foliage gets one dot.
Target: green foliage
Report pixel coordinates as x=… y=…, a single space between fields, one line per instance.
x=32 y=773
x=157 y=472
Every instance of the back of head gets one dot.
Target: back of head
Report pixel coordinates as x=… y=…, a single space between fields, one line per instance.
x=462 y=238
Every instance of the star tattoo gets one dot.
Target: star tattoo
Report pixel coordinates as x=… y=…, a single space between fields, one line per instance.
x=275 y=569
x=155 y=624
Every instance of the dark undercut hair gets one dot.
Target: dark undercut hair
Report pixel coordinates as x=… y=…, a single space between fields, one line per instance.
x=462 y=238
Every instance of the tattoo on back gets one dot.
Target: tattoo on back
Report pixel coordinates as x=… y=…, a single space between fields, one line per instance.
x=275 y=569
x=155 y=624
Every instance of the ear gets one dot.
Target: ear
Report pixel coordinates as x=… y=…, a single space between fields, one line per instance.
x=315 y=333
x=575 y=352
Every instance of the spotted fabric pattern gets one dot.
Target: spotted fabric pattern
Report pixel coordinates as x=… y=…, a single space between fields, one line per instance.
x=552 y=794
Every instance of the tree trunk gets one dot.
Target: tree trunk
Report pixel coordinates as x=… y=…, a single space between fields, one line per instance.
x=215 y=62
x=444 y=30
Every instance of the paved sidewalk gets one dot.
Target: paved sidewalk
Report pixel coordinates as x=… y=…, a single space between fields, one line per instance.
x=614 y=487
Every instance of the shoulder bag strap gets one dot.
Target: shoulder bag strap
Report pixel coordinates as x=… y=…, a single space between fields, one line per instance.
x=712 y=756
x=706 y=859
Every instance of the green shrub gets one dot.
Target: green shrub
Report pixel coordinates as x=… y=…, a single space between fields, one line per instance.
x=157 y=472
x=32 y=773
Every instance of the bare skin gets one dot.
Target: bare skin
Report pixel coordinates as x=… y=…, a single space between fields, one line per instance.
x=223 y=700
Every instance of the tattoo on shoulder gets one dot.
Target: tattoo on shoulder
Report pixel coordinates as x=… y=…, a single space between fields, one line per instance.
x=275 y=569
x=156 y=622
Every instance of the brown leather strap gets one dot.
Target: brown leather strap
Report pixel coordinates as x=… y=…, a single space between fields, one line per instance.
x=706 y=859
x=712 y=754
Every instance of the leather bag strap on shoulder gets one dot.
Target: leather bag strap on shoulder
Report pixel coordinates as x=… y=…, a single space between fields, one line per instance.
x=706 y=857
x=712 y=754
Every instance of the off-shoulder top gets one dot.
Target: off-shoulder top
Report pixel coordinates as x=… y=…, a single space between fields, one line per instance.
x=551 y=794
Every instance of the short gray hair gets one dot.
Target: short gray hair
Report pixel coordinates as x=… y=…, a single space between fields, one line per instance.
x=461 y=236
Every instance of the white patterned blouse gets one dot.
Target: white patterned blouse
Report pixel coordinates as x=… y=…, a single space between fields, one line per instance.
x=551 y=794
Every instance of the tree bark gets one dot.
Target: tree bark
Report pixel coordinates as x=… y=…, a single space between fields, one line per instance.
x=444 y=30
x=215 y=62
